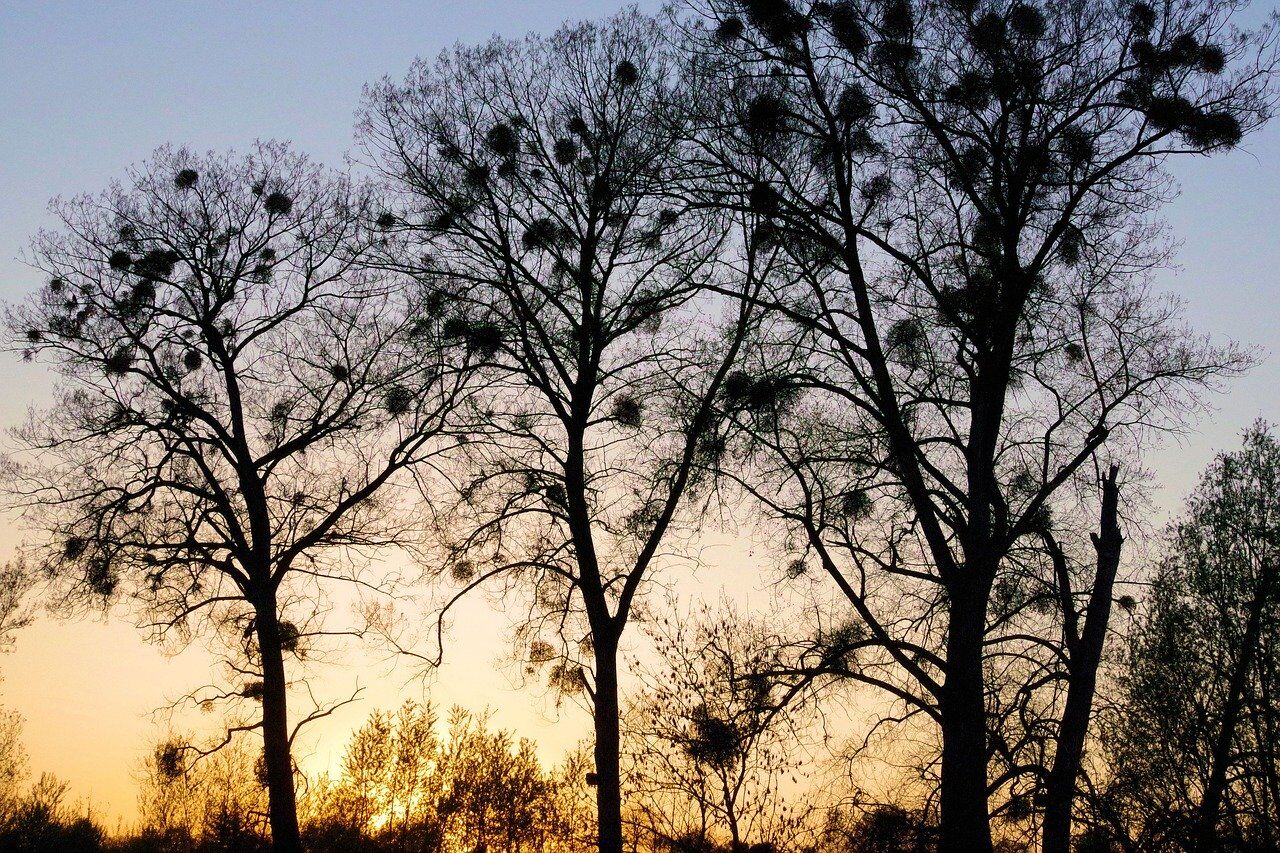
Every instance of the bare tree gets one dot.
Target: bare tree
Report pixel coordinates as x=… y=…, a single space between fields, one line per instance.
x=16 y=583
x=14 y=762
x=965 y=192
x=240 y=399
x=1082 y=644
x=711 y=739
x=1191 y=741
x=216 y=804
x=542 y=177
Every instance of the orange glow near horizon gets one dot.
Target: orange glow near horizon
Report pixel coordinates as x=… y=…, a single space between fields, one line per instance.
x=90 y=692
x=92 y=689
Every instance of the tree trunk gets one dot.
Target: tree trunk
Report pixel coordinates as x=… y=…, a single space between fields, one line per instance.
x=1083 y=658
x=275 y=736
x=1220 y=759
x=607 y=748
x=965 y=822
x=731 y=816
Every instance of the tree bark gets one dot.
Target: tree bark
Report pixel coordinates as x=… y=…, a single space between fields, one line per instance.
x=607 y=748
x=1084 y=654
x=965 y=822
x=283 y=807
x=1220 y=759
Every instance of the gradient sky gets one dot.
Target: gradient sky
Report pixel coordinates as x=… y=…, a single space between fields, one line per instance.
x=91 y=87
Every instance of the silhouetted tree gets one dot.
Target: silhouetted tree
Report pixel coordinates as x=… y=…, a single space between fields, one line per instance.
x=1193 y=739
x=16 y=582
x=238 y=390
x=879 y=829
x=403 y=788
x=14 y=765
x=212 y=805
x=965 y=192
x=711 y=738
x=541 y=177
x=391 y=774
x=41 y=821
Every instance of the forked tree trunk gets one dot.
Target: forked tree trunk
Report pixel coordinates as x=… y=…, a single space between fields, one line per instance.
x=965 y=823
x=283 y=807
x=1082 y=661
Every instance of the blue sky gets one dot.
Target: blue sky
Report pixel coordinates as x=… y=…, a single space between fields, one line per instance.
x=91 y=87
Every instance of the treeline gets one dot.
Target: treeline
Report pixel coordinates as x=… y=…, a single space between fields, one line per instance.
x=869 y=280
x=401 y=786
x=407 y=783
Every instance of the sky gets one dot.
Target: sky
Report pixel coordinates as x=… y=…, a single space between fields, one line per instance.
x=88 y=88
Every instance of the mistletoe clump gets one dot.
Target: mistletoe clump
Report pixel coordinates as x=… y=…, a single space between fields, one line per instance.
x=628 y=411
x=290 y=636
x=578 y=127
x=846 y=28
x=906 y=340
x=766 y=117
x=540 y=651
x=838 y=646
x=74 y=548
x=854 y=106
x=118 y=362
x=567 y=679
x=169 y=760
x=730 y=30
x=758 y=394
x=502 y=140
x=542 y=234
x=712 y=740
x=462 y=571
x=1027 y=21
x=565 y=151
x=777 y=20
x=971 y=90
x=763 y=199
x=278 y=204
x=897 y=20
x=156 y=264
x=100 y=578
x=1071 y=246
x=476 y=175
x=855 y=504
x=1201 y=128
x=480 y=337
x=398 y=400
x=989 y=33
x=1142 y=17
x=626 y=73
